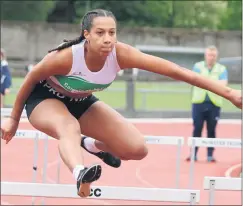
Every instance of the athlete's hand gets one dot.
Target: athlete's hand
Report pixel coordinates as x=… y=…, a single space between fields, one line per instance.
x=8 y=129
x=236 y=98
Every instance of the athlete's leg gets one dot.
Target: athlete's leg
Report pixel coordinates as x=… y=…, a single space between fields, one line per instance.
x=90 y=145
x=113 y=132
x=94 y=146
x=52 y=117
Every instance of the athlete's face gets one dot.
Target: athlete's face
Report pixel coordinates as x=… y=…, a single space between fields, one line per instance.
x=102 y=35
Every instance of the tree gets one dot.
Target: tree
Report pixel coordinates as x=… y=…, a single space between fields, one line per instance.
x=66 y=11
x=171 y=14
x=127 y=12
x=231 y=19
x=26 y=10
x=135 y=13
x=195 y=14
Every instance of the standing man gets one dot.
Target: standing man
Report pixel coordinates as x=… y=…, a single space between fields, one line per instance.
x=206 y=106
x=6 y=79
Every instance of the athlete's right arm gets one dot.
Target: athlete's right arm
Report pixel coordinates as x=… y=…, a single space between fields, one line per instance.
x=55 y=63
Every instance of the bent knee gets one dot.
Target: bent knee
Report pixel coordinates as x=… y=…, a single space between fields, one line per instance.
x=136 y=152
x=140 y=152
x=68 y=128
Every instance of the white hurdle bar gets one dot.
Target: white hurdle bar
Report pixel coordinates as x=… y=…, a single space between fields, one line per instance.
x=100 y=192
x=5 y=112
x=208 y=142
x=221 y=184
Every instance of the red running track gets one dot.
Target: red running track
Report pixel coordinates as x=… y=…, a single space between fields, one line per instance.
x=156 y=170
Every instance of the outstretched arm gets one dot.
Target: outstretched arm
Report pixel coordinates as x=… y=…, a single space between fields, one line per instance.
x=129 y=57
x=52 y=64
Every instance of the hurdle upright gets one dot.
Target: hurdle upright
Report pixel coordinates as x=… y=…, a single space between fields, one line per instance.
x=208 y=142
x=36 y=135
x=220 y=183
x=169 y=140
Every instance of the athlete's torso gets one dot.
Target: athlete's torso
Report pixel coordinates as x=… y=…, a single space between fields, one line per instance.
x=81 y=81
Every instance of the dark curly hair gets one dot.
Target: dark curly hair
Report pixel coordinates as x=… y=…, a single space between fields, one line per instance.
x=86 y=24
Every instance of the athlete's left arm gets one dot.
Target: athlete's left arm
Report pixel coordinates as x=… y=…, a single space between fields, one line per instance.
x=129 y=57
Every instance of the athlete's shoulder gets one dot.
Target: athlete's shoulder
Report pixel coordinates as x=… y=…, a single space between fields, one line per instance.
x=126 y=54
x=57 y=62
x=124 y=48
x=62 y=55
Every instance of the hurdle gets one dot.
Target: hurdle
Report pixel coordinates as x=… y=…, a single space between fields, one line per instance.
x=5 y=112
x=101 y=192
x=220 y=184
x=169 y=140
x=36 y=135
x=167 y=195
x=161 y=140
x=208 y=142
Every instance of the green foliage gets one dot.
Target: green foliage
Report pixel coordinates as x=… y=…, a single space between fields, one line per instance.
x=147 y=13
x=232 y=18
x=26 y=10
x=196 y=14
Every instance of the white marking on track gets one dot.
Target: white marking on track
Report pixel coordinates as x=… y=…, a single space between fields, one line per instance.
x=140 y=178
x=231 y=169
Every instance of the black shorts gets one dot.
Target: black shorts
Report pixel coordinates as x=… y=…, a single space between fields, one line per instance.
x=43 y=91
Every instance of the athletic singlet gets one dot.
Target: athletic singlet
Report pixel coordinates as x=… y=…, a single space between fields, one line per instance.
x=80 y=81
